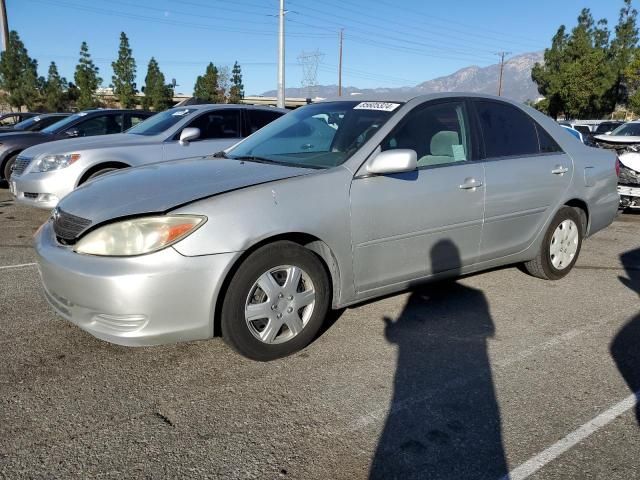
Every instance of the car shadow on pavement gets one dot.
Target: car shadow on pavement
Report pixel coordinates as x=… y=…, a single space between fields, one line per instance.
x=625 y=347
x=444 y=419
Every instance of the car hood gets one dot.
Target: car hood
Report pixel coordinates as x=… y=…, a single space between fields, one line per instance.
x=22 y=136
x=160 y=187
x=71 y=145
x=619 y=139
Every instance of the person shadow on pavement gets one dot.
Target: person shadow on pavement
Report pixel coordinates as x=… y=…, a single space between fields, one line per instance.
x=444 y=419
x=625 y=347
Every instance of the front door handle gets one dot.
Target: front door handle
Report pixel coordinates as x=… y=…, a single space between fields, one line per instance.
x=559 y=170
x=470 y=184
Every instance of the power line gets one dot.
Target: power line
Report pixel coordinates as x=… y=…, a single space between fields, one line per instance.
x=309 y=62
x=103 y=11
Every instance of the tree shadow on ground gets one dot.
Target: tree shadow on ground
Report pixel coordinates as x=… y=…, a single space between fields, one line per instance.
x=444 y=420
x=625 y=347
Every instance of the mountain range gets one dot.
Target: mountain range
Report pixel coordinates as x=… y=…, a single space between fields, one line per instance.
x=516 y=82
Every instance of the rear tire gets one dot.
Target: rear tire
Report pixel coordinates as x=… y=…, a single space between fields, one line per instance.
x=276 y=302
x=8 y=165
x=560 y=247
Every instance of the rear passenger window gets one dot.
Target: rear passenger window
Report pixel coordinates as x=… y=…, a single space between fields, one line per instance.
x=547 y=144
x=506 y=130
x=260 y=118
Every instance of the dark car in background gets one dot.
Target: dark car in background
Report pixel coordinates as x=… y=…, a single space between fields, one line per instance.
x=36 y=123
x=607 y=127
x=82 y=124
x=11 y=118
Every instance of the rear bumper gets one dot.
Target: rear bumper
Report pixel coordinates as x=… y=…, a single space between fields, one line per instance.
x=163 y=297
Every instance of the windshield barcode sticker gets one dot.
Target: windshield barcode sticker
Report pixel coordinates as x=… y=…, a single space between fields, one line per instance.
x=384 y=106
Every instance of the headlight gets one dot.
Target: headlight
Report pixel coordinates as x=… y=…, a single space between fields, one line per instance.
x=46 y=163
x=139 y=235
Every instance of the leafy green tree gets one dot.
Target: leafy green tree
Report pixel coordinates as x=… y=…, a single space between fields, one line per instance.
x=623 y=50
x=157 y=94
x=87 y=79
x=124 y=74
x=577 y=77
x=207 y=87
x=236 y=92
x=18 y=74
x=54 y=90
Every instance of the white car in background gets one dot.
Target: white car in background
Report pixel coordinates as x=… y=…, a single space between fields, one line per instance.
x=44 y=174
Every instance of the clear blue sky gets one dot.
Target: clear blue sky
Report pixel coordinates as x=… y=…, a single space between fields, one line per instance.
x=387 y=42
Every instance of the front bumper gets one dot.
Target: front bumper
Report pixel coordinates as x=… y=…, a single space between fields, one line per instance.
x=42 y=189
x=162 y=297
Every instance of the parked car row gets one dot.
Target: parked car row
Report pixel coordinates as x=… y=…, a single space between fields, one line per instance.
x=332 y=204
x=44 y=174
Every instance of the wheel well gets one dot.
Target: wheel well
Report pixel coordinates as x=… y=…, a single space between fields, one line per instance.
x=100 y=166
x=582 y=209
x=310 y=242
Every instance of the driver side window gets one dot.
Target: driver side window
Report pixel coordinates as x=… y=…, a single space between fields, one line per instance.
x=439 y=134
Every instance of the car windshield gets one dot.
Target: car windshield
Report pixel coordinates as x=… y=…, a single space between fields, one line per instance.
x=321 y=135
x=627 y=130
x=26 y=124
x=63 y=124
x=160 y=122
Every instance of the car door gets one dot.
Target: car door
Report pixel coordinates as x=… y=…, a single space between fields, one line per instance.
x=410 y=225
x=526 y=175
x=219 y=129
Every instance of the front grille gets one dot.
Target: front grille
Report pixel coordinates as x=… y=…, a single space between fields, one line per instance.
x=67 y=227
x=20 y=164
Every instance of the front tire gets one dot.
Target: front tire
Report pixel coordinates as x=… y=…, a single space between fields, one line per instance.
x=8 y=165
x=276 y=302
x=560 y=247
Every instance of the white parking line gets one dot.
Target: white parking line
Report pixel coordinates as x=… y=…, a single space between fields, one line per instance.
x=535 y=463
x=22 y=265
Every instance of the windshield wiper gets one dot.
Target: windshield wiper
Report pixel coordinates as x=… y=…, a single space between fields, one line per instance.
x=252 y=158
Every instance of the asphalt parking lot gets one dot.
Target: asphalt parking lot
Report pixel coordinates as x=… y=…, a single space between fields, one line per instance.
x=495 y=373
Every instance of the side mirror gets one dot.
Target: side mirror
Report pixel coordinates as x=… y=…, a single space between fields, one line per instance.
x=189 y=134
x=393 y=161
x=72 y=132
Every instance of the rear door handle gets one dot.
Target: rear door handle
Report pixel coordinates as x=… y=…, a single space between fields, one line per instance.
x=470 y=184
x=559 y=170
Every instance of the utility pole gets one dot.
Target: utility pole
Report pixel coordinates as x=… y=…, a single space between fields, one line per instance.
x=501 y=55
x=5 y=25
x=340 y=64
x=281 y=96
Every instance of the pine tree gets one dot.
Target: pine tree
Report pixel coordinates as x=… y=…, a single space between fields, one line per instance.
x=124 y=74
x=87 y=79
x=18 y=74
x=236 y=93
x=157 y=95
x=54 y=90
x=206 y=87
x=577 y=78
x=623 y=49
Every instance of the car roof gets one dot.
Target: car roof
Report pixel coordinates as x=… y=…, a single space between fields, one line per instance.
x=115 y=110
x=406 y=97
x=215 y=106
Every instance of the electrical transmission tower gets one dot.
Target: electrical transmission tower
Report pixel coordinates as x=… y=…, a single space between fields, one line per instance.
x=309 y=62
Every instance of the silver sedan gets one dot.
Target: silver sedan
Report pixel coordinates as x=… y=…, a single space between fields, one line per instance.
x=45 y=173
x=335 y=203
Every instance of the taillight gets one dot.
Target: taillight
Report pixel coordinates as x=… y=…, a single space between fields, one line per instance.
x=617 y=166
